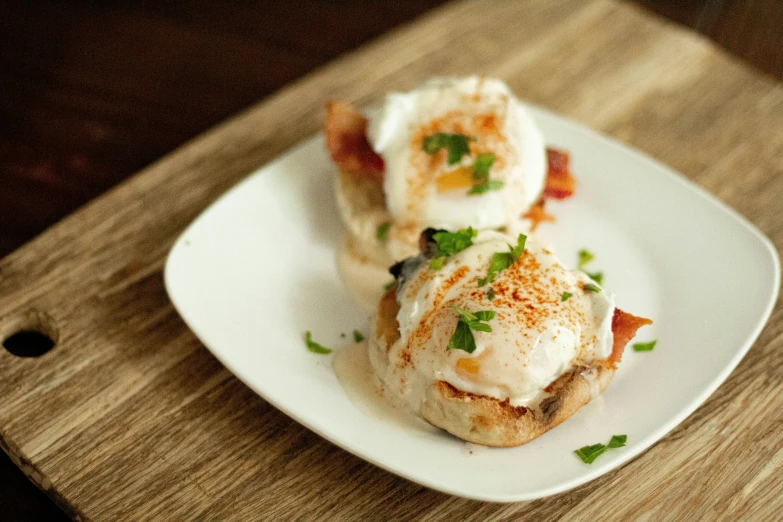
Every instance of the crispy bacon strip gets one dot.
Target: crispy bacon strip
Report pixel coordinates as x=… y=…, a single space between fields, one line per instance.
x=560 y=184
x=346 y=141
x=624 y=326
x=538 y=215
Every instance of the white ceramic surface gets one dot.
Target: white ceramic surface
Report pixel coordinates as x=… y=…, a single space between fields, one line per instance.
x=257 y=269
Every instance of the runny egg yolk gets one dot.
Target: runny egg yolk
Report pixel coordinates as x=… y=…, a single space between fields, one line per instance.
x=461 y=177
x=468 y=368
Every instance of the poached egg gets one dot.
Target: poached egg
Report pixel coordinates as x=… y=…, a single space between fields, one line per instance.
x=424 y=189
x=546 y=323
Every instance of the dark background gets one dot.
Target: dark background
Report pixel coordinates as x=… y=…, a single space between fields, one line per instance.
x=91 y=92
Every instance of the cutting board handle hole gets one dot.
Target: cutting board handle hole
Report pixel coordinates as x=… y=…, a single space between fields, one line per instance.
x=29 y=334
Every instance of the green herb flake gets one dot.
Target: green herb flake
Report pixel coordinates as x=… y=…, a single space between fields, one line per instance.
x=480 y=327
x=357 y=336
x=456 y=145
x=463 y=339
x=590 y=287
x=382 y=232
x=644 y=347
x=481 y=167
x=450 y=243
x=485 y=315
x=342 y=335
x=502 y=260
x=482 y=164
x=565 y=296
x=598 y=277
x=491 y=294
x=486 y=186
x=464 y=314
x=585 y=256
x=314 y=346
x=588 y=454
x=517 y=250
x=499 y=262
x=618 y=441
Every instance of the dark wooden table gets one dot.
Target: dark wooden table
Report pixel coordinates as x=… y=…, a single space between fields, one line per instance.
x=92 y=92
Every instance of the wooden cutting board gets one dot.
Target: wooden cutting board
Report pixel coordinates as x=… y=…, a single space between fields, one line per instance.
x=129 y=417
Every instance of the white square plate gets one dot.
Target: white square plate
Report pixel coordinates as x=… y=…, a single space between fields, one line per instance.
x=257 y=269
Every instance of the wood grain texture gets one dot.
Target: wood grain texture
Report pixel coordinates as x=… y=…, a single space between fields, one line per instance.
x=129 y=417
x=750 y=29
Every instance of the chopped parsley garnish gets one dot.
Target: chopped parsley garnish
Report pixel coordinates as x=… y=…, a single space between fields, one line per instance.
x=342 y=335
x=455 y=144
x=314 y=346
x=590 y=287
x=499 y=262
x=462 y=339
x=644 y=347
x=502 y=260
x=481 y=167
x=565 y=296
x=588 y=454
x=598 y=277
x=485 y=186
x=482 y=164
x=390 y=284
x=618 y=441
x=491 y=293
x=585 y=257
x=450 y=243
x=382 y=232
x=357 y=336
x=517 y=250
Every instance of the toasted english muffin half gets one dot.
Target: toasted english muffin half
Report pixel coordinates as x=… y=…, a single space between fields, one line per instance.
x=362 y=208
x=492 y=422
